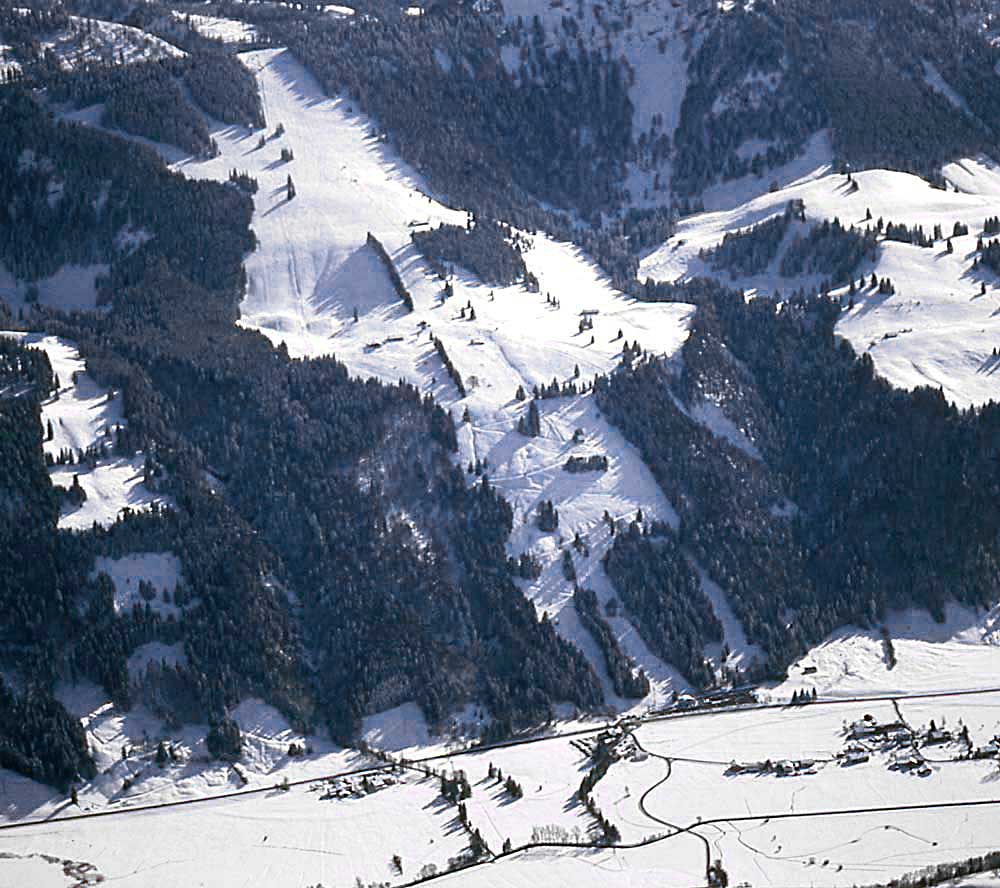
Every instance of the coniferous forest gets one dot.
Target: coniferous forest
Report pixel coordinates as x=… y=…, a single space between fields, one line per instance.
x=860 y=496
x=335 y=561
x=301 y=584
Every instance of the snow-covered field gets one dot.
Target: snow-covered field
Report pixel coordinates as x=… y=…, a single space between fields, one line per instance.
x=768 y=829
x=746 y=815
x=71 y=288
x=87 y=41
x=938 y=328
x=277 y=838
x=961 y=652
x=82 y=416
x=216 y=28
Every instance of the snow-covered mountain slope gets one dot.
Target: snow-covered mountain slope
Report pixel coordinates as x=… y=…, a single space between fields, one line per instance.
x=83 y=417
x=313 y=269
x=961 y=652
x=214 y=27
x=86 y=41
x=938 y=328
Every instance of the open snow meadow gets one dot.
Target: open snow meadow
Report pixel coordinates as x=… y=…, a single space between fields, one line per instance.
x=826 y=794
x=882 y=769
x=80 y=421
x=941 y=325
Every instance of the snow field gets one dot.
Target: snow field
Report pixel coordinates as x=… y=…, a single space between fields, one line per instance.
x=190 y=774
x=154 y=652
x=226 y=838
x=216 y=28
x=828 y=850
x=71 y=288
x=858 y=848
x=313 y=269
x=853 y=849
x=285 y=839
x=549 y=774
x=936 y=329
x=161 y=570
x=676 y=861
x=961 y=653
x=83 y=415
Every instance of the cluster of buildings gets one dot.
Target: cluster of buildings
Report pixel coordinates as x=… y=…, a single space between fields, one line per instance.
x=779 y=768
x=355 y=787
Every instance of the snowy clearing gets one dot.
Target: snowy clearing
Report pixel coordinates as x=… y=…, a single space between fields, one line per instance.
x=83 y=416
x=214 y=28
x=71 y=288
x=160 y=570
x=938 y=328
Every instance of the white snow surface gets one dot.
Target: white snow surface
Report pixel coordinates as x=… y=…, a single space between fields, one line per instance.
x=216 y=28
x=961 y=652
x=83 y=415
x=828 y=851
x=297 y=838
x=402 y=727
x=936 y=329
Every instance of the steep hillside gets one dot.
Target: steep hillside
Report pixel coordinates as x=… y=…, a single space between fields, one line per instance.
x=816 y=502
x=936 y=327
x=318 y=285
x=317 y=518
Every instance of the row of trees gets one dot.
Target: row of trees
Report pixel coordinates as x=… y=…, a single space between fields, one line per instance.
x=488 y=248
x=627 y=680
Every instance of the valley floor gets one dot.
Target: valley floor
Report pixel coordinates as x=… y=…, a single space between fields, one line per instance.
x=773 y=792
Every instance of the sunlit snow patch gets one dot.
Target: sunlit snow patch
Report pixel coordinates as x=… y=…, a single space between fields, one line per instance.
x=82 y=417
